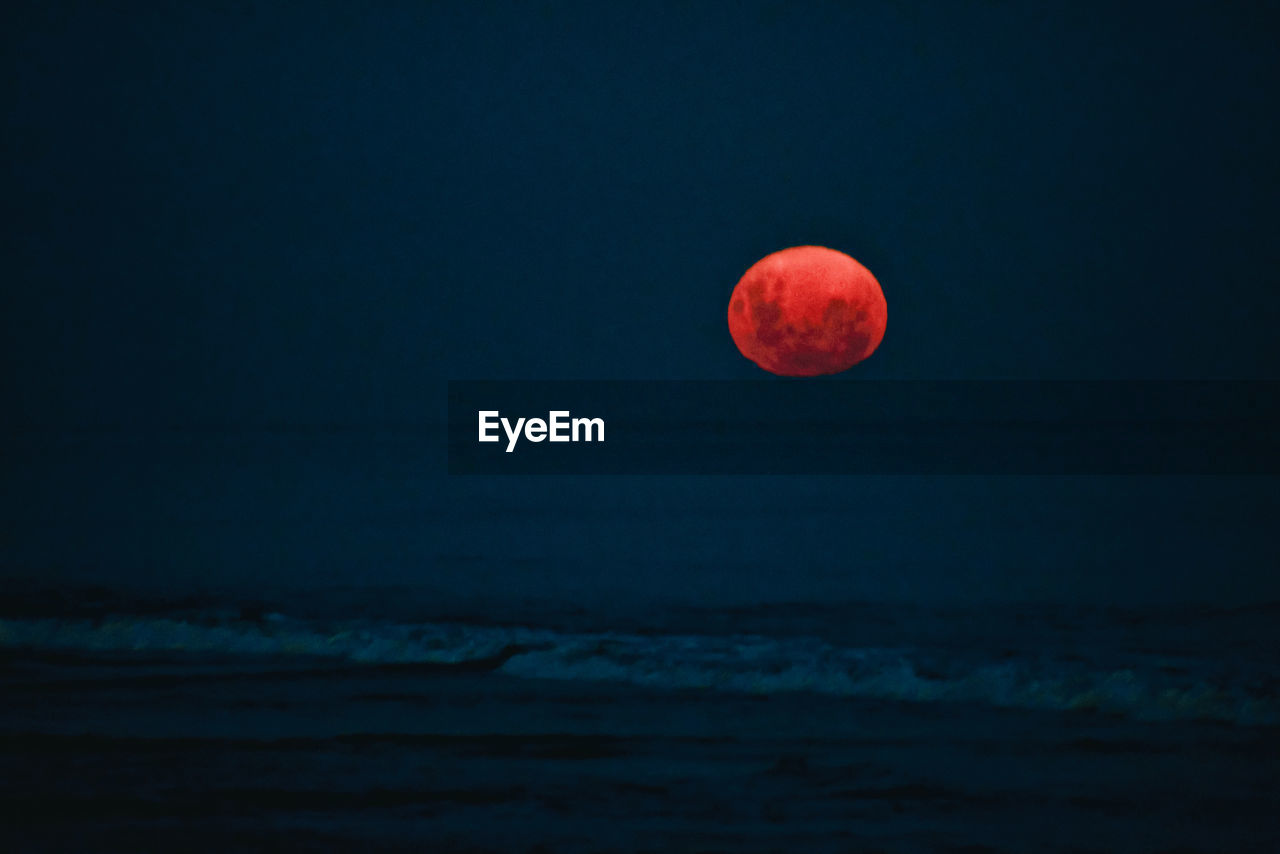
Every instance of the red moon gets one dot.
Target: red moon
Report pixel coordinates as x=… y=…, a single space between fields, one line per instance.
x=807 y=310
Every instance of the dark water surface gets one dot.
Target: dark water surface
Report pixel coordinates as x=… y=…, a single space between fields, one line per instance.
x=229 y=640
x=214 y=726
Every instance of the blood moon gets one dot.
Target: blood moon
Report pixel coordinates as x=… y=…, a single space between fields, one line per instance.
x=807 y=310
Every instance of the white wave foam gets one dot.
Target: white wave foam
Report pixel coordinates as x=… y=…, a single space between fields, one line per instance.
x=739 y=664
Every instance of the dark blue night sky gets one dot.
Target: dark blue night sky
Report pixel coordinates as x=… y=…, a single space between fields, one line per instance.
x=301 y=217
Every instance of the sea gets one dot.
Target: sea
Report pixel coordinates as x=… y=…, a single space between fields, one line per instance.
x=384 y=719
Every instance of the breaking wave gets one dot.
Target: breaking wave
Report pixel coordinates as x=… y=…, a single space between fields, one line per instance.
x=1143 y=687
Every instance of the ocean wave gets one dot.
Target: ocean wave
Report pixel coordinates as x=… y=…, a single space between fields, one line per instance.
x=1141 y=688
